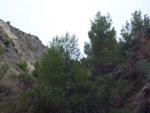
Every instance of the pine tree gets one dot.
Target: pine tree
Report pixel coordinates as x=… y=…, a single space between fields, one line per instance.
x=136 y=25
x=102 y=48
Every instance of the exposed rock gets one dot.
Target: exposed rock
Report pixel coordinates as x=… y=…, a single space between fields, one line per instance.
x=7 y=30
x=21 y=46
x=15 y=47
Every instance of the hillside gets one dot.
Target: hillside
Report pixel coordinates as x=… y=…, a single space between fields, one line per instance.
x=19 y=46
x=137 y=74
x=16 y=46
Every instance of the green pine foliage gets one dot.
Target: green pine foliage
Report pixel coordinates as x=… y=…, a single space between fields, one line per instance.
x=60 y=64
x=69 y=43
x=50 y=69
x=103 y=47
x=136 y=25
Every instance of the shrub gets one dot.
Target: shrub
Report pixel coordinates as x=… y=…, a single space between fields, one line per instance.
x=1 y=51
x=1 y=36
x=27 y=80
x=7 y=42
x=83 y=98
x=26 y=77
x=109 y=87
x=20 y=54
x=42 y=100
x=3 y=70
x=29 y=44
x=76 y=99
x=8 y=22
x=123 y=110
x=12 y=75
x=23 y=65
x=144 y=66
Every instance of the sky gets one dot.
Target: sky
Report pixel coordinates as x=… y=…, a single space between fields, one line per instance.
x=48 y=18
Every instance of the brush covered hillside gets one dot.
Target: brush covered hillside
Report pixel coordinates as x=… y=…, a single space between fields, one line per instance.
x=113 y=78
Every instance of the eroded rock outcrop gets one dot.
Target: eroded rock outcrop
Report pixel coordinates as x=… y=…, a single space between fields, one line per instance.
x=15 y=47
x=136 y=72
x=19 y=46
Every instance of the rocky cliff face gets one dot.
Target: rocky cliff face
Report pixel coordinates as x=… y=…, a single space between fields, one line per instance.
x=136 y=72
x=15 y=47
x=19 y=46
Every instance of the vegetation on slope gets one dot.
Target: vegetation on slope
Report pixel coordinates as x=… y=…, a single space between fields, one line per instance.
x=65 y=83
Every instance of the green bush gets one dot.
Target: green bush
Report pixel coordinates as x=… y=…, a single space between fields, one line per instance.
x=26 y=80
x=83 y=98
x=20 y=54
x=12 y=75
x=26 y=77
x=29 y=44
x=7 y=42
x=23 y=65
x=1 y=51
x=76 y=98
x=42 y=100
x=3 y=70
x=144 y=67
x=1 y=36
